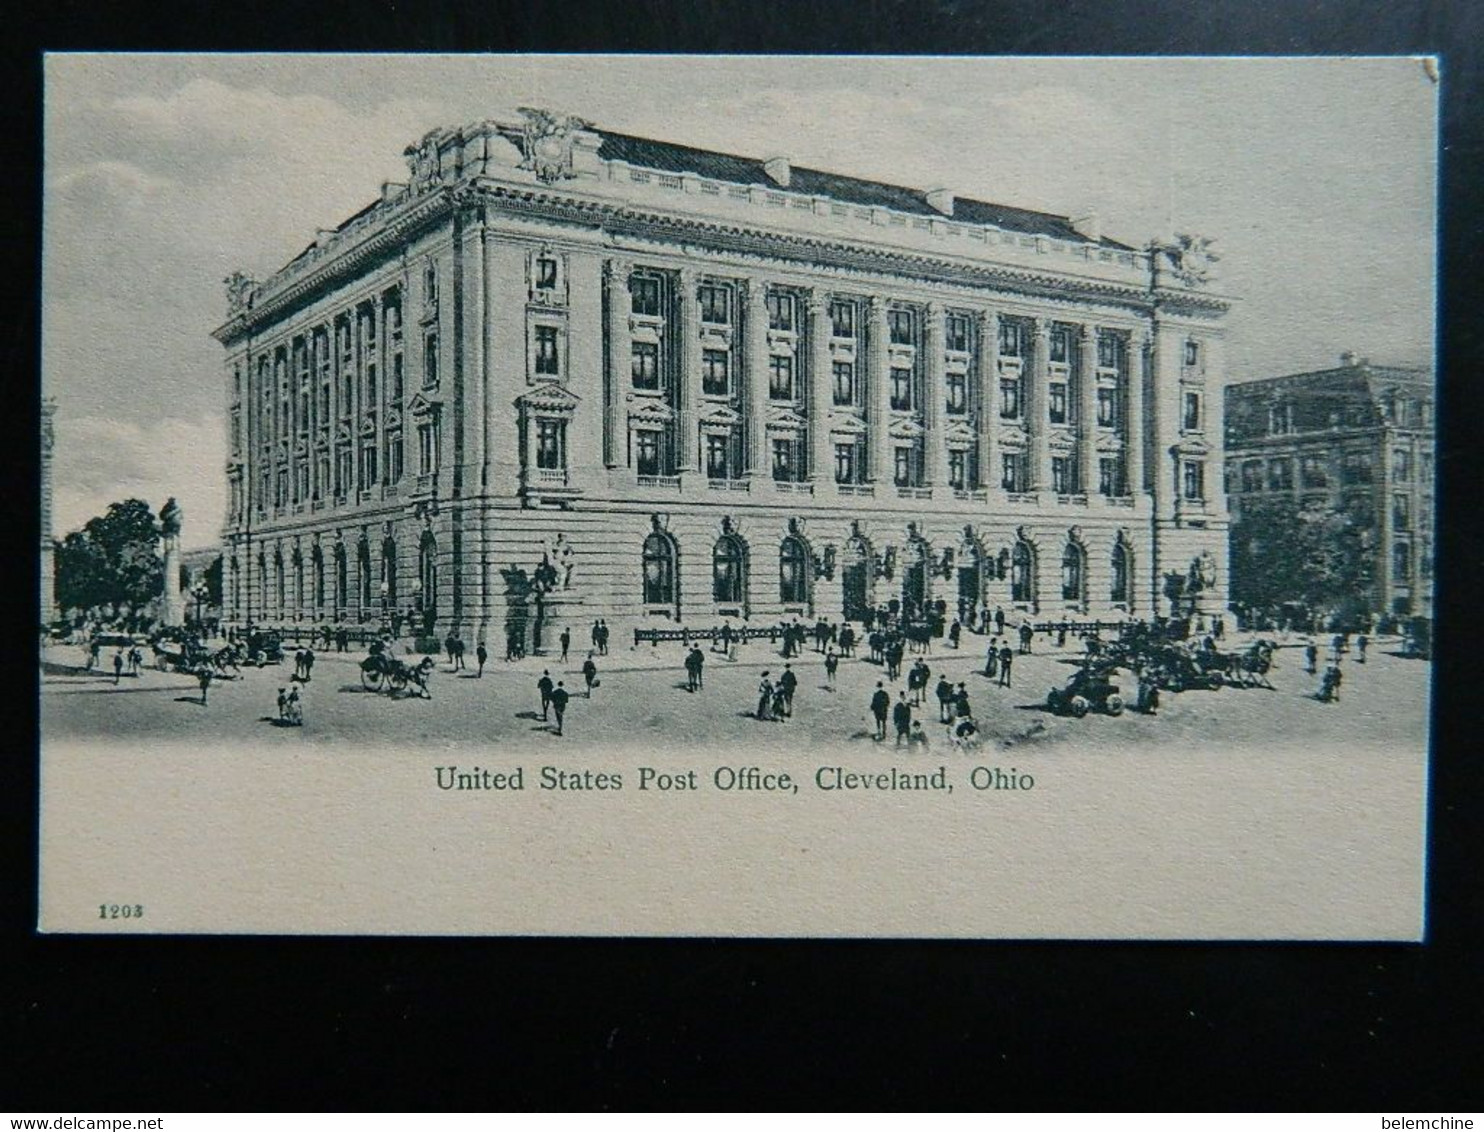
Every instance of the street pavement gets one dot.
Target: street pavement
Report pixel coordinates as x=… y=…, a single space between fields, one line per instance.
x=642 y=702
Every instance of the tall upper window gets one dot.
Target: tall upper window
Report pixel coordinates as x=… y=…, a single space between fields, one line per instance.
x=956 y=333
x=1192 y=353
x=1056 y=402
x=845 y=463
x=1012 y=339
x=1072 y=571
x=718 y=461
x=645 y=365
x=1010 y=398
x=1120 y=589
x=900 y=326
x=430 y=361
x=1107 y=351
x=844 y=374
x=793 y=571
x=1061 y=345
x=785 y=465
x=1313 y=472
x=1193 y=480
x=1023 y=573
x=901 y=388
x=548 y=362
x=546 y=273
x=1355 y=468
x=644 y=295
x=1401 y=465
x=728 y=571
x=1110 y=476
x=1190 y=413
x=1280 y=474
x=958 y=392
x=842 y=319
x=715 y=373
x=551 y=436
x=781 y=377
x=1012 y=471
x=1063 y=477
x=647 y=452
x=780 y=311
x=715 y=303
x=1107 y=407
x=958 y=469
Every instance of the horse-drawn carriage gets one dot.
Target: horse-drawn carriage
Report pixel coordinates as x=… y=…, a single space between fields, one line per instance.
x=1090 y=688
x=183 y=654
x=381 y=670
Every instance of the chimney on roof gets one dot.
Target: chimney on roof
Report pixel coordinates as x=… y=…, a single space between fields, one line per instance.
x=1349 y=358
x=777 y=170
x=941 y=200
x=1089 y=225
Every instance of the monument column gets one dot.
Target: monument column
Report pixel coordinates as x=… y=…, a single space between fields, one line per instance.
x=171 y=518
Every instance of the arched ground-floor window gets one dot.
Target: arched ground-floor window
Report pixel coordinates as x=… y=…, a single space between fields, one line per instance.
x=658 y=572
x=1023 y=574
x=729 y=571
x=793 y=571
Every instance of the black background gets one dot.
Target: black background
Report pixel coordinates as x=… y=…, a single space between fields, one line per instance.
x=93 y=1024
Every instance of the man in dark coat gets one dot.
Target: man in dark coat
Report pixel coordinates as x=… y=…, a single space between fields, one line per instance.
x=590 y=675
x=901 y=718
x=1007 y=657
x=880 y=706
x=559 y=698
x=566 y=639
x=545 y=687
x=481 y=654
x=789 y=683
x=944 y=693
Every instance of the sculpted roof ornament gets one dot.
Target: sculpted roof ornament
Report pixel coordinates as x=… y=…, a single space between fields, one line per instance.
x=422 y=162
x=241 y=289
x=547 y=142
x=1191 y=258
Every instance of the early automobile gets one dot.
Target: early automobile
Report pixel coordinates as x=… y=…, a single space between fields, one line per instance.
x=1089 y=689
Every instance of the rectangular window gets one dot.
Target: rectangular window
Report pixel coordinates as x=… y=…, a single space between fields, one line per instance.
x=1194 y=480
x=781 y=377
x=1107 y=351
x=1355 y=468
x=1012 y=339
x=1280 y=474
x=1062 y=481
x=1010 y=398
x=780 y=311
x=347 y=396
x=324 y=403
x=903 y=470
x=236 y=429
x=394 y=458
x=1012 y=471
x=344 y=470
x=957 y=469
x=958 y=392
x=1401 y=512
x=1190 y=416
x=1192 y=353
x=716 y=304
x=645 y=365
x=430 y=362
x=548 y=362
x=1280 y=419
x=368 y=463
x=717 y=451
x=901 y=389
x=1110 y=476
x=1056 y=402
x=783 y=461
x=322 y=474
x=900 y=326
x=399 y=379
x=281 y=487
x=371 y=387
x=1061 y=345
x=715 y=373
x=1107 y=407
x=647 y=452
x=845 y=463
x=427 y=449
x=844 y=383
x=546 y=273
x=956 y=333
x=644 y=295
x=1401 y=465
x=551 y=444
x=1252 y=475
x=301 y=482
x=842 y=319
x=1312 y=471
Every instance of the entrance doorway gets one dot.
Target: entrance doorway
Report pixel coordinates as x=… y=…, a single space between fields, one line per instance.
x=914 y=590
x=855 y=579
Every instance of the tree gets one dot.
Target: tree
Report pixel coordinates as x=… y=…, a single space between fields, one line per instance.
x=1320 y=558
x=112 y=565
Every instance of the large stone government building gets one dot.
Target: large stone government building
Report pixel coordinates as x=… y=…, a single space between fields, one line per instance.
x=565 y=373
x=1356 y=438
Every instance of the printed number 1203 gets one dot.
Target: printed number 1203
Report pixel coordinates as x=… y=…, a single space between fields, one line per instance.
x=120 y=911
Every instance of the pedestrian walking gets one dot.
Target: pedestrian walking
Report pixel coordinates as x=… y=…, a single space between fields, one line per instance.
x=590 y=675
x=780 y=703
x=136 y=659
x=1007 y=655
x=880 y=706
x=1360 y=646
x=203 y=677
x=831 y=666
x=448 y=646
x=545 y=687
x=901 y=718
x=294 y=709
x=118 y=665
x=764 y=697
x=482 y=654
x=917 y=737
x=961 y=709
x=1311 y=658
x=944 y=692
x=308 y=665
x=566 y=639
x=992 y=658
x=999 y=621
x=1329 y=687
x=788 y=683
x=1026 y=632
x=954 y=632
x=283 y=704
x=602 y=637
x=559 y=698
x=692 y=671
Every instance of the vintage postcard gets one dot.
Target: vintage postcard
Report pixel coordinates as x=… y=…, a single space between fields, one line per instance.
x=737 y=496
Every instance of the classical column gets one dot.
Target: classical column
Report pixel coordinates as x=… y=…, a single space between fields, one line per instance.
x=934 y=397
x=989 y=391
x=878 y=394
x=755 y=378
x=688 y=387
x=618 y=377
x=1087 y=412
x=1037 y=417
x=820 y=390
x=1133 y=412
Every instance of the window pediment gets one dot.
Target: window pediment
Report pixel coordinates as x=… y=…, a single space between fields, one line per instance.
x=1109 y=444
x=905 y=428
x=785 y=420
x=422 y=405
x=549 y=397
x=1061 y=441
x=847 y=424
x=651 y=412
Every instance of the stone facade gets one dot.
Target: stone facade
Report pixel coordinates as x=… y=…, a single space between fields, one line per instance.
x=1357 y=437
x=565 y=374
